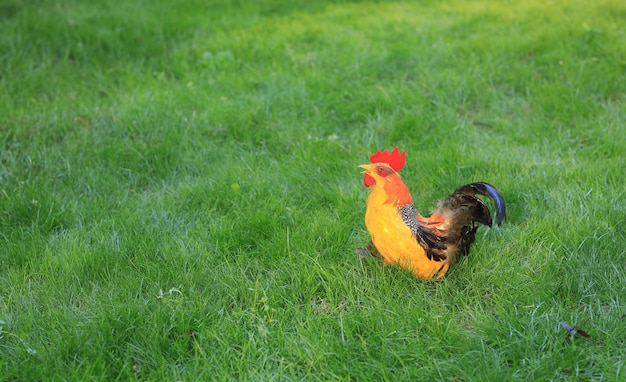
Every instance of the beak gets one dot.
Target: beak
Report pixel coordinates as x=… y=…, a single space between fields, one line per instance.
x=367 y=168
x=368 y=180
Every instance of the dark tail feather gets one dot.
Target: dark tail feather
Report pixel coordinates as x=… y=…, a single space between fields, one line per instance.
x=462 y=210
x=486 y=189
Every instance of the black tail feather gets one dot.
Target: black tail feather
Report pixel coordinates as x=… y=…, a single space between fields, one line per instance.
x=486 y=189
x=462 y=210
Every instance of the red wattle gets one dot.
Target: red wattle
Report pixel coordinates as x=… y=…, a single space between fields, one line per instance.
x=368 y=180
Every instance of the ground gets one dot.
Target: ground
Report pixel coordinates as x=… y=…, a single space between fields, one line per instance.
x=180 y=197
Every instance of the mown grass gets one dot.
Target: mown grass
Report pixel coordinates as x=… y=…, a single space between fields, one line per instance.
x=179 y=196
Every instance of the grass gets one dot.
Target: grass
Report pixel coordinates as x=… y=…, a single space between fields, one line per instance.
x=179 y=196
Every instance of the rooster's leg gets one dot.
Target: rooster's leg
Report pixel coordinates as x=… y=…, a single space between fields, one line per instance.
x=369 y=250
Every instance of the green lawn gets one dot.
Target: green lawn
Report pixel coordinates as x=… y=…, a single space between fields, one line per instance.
x=180 y=197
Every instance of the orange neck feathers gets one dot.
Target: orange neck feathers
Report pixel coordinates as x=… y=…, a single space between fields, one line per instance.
x=397 y=192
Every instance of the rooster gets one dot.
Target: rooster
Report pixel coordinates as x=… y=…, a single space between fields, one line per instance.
x=425 y=245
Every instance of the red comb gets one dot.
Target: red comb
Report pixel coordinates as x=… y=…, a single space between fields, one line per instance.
x=395 y=159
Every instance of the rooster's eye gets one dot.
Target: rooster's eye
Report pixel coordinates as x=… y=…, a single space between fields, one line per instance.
x=383 y=171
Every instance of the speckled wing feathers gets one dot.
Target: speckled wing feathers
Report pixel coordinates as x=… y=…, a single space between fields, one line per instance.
x=426 y=237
